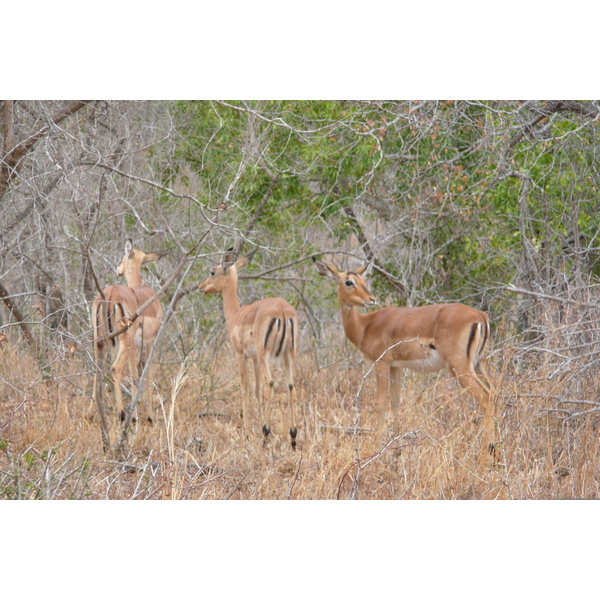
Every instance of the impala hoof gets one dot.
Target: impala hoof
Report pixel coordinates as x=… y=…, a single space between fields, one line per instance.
x=293 y=434
x=266 y=430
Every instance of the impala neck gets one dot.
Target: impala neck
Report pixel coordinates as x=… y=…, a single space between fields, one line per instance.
x=353 y=323
x=231 y=303
x=132 y=275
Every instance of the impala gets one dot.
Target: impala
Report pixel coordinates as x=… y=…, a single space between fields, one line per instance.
x=265 y=331
x=425 y=339
x=116 y=310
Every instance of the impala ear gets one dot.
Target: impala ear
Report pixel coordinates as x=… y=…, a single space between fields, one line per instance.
x=153 y=257
x=228 y=259
x=326 y=269
x=129 y=248
x=365 y=269
x=245 y=260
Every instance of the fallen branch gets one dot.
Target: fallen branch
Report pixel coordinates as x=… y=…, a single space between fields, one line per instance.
x=361 y=463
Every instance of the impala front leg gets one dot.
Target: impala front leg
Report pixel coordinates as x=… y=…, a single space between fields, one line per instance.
x=243 y=368
x=382 y=371
x=395 y=386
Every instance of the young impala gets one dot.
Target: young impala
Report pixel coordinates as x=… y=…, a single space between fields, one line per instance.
x=116 y=310
x=264 y=331
x=425 y=339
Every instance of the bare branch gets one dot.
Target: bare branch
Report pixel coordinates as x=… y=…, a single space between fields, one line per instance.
x=13 y=157
x=14 y=309
x=518 y=290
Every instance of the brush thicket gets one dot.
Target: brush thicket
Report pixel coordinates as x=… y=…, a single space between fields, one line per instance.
x=51 y=448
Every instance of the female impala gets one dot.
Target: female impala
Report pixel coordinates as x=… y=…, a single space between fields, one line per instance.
x=264 y=331
x=116 y=310
x=425 y=339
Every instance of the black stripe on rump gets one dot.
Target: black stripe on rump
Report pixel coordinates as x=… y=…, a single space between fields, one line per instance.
x=282 y=337
x=293 y=334
x=269 y=329
x=109 y=311
x=117 y=318
x=485 y=334
x=471 y=338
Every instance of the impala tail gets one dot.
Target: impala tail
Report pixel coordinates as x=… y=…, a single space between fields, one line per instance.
x=479 y=337
x=281 y=334
x=107 y=317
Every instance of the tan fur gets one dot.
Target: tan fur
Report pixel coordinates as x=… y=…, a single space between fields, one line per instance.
x=258 y=331
x=427 y=339
x=121 y=304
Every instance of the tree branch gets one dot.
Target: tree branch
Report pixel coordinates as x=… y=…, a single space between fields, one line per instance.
x=370 y=255
x=557 y=106
x=143 y=307
x=258 y=211
x=129 y=413
x=517 y=290
x=14 y=309
x=13 y=155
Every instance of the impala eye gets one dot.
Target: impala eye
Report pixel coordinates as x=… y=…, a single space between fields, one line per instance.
x=349 y=282
x=213 y=273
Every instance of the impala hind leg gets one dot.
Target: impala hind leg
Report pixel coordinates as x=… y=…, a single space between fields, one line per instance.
x=99 y=355
x=289 y=370
x=147 y=396
x=150 y=402
x=118 y=366
x=484 y=378
x=266 y=386
x=243 y=368
x=482 y=374
x=489 y=453
x=97 y=395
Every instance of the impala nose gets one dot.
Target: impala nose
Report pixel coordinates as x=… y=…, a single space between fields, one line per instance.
x=372 y=301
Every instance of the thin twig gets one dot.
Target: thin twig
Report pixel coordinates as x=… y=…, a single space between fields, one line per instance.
x=361 y=463
x=517 y=290
x=136 y=399
x=354 y=494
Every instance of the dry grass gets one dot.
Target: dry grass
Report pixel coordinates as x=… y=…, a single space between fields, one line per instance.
x=51 y=448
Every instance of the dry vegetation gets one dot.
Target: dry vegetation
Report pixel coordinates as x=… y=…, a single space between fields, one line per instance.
x=451 y=201
x=51 y=446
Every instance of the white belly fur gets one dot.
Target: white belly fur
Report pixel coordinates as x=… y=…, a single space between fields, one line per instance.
x=431 y=364
x=250 y=352
x=137 y=340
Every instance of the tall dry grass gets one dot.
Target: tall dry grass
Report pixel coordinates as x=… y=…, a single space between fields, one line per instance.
x=50 y=444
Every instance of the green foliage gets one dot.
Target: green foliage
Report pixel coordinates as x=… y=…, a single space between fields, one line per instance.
x=443 y=171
